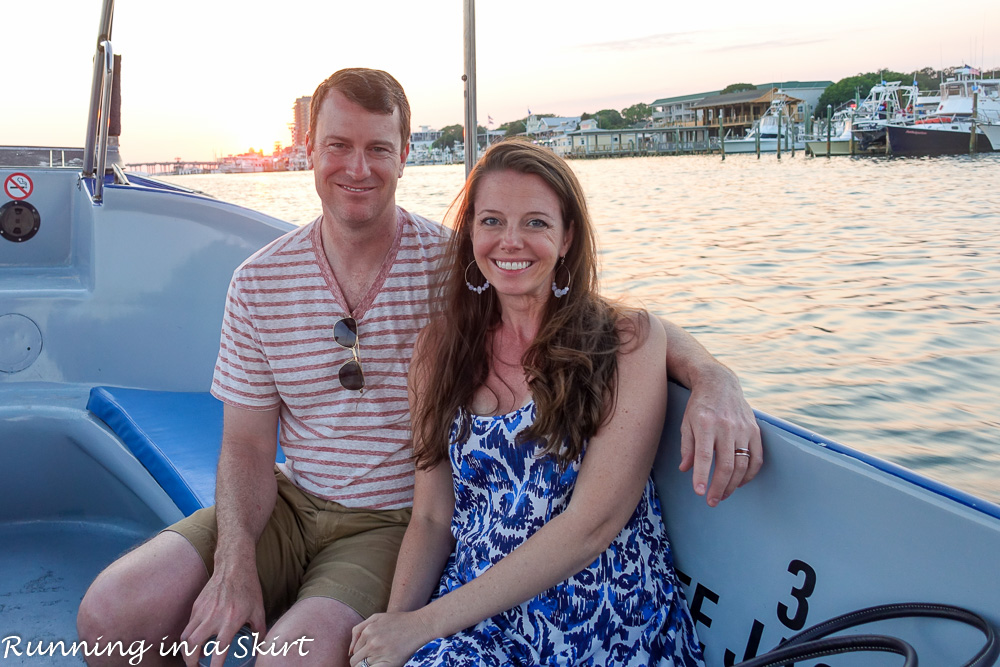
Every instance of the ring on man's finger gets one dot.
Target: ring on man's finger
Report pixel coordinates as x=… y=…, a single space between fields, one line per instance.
x=364 y=663
x=742 y=451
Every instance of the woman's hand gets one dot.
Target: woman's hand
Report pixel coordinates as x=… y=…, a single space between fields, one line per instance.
x=718 y=423
x=389 y=640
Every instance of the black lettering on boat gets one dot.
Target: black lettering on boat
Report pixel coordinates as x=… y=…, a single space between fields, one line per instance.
x=753 y=645
x=700 y=594
x=797 y=621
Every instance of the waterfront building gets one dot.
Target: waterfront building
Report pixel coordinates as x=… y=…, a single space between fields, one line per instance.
x=694 y=119
x=739 y=111
x=246 y=163
x=422 y=149
x=546 y=127
x=300 y=127
x=677 y=111
x=424 y=137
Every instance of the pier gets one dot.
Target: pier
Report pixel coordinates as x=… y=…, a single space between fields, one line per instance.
x=176 y=167
x=589 y=144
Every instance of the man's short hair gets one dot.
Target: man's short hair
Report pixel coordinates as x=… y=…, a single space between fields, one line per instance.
x=372 y=89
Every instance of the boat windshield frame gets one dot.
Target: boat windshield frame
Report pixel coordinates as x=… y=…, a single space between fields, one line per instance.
x=95 y=153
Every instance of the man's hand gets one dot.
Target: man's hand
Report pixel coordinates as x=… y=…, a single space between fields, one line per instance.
x=245 y=493
x=718 y=423
x=231 y=598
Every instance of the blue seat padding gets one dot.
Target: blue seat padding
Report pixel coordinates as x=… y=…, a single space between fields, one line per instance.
x=175 y=435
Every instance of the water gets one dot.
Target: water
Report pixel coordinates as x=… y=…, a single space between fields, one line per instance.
x=857 y=298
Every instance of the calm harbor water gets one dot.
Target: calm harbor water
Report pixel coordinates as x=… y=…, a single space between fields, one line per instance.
x=858 y=298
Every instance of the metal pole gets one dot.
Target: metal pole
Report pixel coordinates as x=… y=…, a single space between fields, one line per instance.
x=888 y=122
x=756 y=134
x=792 y=130
x=96 y=112
x=471 y=141
x=972 y=127
x=778 y=138
x=722 y=139
x=103 y=129
x=852 y=133
x=829 y=123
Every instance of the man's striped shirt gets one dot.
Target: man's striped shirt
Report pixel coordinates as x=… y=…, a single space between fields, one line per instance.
x=277 y=350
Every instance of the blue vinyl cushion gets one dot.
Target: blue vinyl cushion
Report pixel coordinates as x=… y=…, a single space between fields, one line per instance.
x=175 y=435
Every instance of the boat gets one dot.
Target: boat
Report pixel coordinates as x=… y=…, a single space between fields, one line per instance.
x=957 y=97
x=966 y=102
x=765 y=133
x=992 y=132
x=112 y=287
x=939 y=136
x=841 y=141
x=885 y=103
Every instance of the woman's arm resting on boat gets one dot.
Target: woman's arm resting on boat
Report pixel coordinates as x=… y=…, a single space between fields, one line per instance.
x=612 y=476
x=717 y=420
x=245 y=493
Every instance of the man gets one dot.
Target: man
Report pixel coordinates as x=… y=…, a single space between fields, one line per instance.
x=317 y=336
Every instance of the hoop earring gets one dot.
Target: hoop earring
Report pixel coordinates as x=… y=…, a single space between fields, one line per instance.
x=472 y=288
x=561 y=292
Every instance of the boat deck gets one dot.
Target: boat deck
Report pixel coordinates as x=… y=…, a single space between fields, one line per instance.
x=47 y=566
x=72 y=499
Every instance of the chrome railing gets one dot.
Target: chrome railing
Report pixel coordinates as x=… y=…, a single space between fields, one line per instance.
x=95 y=154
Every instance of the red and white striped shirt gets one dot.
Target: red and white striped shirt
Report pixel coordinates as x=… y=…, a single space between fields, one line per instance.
x=277 y=349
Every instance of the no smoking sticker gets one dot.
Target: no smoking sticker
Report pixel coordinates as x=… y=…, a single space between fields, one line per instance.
x=18 y=186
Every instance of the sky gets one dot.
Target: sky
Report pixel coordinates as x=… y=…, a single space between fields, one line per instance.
x=207 y=78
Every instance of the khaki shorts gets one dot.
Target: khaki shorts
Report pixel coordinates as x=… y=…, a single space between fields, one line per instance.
x=315 y=548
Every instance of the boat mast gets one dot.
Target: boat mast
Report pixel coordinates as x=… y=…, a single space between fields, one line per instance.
x=469 y=78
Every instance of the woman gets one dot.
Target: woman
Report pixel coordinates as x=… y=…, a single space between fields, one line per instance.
x=547 y=401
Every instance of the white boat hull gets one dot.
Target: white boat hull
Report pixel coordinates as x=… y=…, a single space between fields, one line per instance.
x=836 y=147
x=823 y=531
x=992 y=133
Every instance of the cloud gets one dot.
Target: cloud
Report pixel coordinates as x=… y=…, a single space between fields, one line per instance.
x=642 y=43
x=770 y=44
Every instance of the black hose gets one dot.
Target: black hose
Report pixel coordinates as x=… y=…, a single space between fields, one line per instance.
x=820 y=648
x=807 y=643
x=986 y=657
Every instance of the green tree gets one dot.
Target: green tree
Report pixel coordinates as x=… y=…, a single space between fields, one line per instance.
x=514 y=127
x=637 y=113
x=737 y=88
x=607 y=119
x=451 y=134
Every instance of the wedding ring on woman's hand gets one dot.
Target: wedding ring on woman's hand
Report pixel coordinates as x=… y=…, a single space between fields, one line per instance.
x=364 y=663
x=741 y=451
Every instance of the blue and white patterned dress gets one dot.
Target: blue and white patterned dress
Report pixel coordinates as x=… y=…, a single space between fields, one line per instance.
x=626 y=608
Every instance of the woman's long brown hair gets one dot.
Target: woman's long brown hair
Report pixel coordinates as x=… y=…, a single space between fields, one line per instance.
x=571 y=365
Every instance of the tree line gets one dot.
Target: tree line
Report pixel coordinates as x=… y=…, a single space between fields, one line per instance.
x=859 y=85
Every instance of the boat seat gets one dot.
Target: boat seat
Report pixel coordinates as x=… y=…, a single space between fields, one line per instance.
x=175 y=435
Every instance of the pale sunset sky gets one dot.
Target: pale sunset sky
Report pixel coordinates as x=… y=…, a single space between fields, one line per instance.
x=207 y=78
